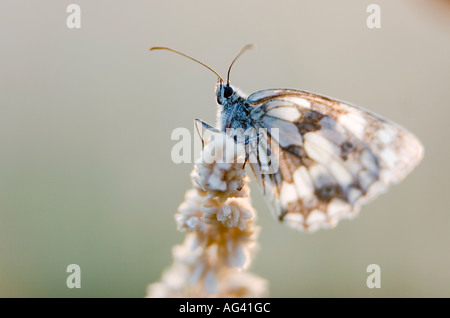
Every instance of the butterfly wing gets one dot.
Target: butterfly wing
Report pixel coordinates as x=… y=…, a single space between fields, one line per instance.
x=331 y=156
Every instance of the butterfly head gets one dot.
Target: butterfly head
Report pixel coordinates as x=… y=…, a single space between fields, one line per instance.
x=224 y=92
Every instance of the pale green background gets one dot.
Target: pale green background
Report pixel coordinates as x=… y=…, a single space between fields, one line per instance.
x=86 y=118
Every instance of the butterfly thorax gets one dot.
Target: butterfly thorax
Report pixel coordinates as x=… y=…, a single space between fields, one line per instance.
x=235 y=115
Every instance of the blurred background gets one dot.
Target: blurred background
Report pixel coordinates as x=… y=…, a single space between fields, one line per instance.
x=86 y=117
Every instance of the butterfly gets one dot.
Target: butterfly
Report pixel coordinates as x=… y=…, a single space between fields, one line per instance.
x=331 y=156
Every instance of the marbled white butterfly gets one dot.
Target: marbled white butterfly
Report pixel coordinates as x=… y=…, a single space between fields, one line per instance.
x=333 y=156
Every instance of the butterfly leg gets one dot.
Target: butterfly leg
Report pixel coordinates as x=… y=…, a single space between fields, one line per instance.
x=198 y=124
x=246 y=142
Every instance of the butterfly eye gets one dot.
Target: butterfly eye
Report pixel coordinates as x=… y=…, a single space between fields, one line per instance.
x=227 y=91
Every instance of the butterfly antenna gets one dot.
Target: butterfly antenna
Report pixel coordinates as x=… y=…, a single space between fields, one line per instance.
x=242 y=51
x=172 y=50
